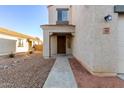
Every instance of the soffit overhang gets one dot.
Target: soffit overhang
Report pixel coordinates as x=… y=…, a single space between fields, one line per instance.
x=58 y=28
x=119 y=8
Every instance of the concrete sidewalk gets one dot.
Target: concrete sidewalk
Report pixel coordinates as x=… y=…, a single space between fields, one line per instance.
x=61 y=75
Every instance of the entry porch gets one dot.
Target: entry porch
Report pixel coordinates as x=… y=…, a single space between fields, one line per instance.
x=60 y=44
x=57 y=40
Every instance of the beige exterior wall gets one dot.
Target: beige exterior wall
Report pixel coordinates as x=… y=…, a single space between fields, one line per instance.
x=106 y=50
x=73 y=16
x=53 y=45
x=83 y=41
x=121 y=43
x=46 y=44
x=69 y=49
x=97 y=51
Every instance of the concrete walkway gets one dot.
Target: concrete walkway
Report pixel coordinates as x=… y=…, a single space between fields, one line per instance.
x=61 y=75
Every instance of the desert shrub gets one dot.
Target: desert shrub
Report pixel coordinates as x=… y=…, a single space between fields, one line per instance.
x=12 y=55
x=30 y=52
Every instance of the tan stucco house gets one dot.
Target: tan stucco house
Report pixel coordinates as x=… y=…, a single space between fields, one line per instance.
x=14 y=42
x=93 y=34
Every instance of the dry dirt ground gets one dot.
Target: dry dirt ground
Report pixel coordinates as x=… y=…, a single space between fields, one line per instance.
x=28 y=71
x=86 y=80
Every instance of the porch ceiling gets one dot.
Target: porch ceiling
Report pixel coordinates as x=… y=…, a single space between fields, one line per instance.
x=59 y=28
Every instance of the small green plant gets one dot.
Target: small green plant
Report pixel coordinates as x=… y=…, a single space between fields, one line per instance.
x=12 y=55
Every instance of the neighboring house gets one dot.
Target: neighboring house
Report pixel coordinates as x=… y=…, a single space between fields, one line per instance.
x=14 y=42
x=93 y=34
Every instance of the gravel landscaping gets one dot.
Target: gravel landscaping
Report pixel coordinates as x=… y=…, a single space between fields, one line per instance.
x=86 y=80
x=28 y=71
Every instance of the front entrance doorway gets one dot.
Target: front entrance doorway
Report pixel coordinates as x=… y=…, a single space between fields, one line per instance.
x=61 y=44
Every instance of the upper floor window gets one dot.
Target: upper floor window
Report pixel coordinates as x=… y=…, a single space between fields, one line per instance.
x=62 y=15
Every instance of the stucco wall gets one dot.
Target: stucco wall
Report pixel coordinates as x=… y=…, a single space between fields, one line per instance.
x=106 y=51
x=7 y=46
x=69 y=49
x=53 y=45
x=83 y=41
x=73 y=16
x=91 y=47
x=46 y=44
x=121 y=43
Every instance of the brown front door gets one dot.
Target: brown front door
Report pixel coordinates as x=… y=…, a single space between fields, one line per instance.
x=61 y=44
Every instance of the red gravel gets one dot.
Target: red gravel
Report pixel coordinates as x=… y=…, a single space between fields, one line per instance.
x=86 y=80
